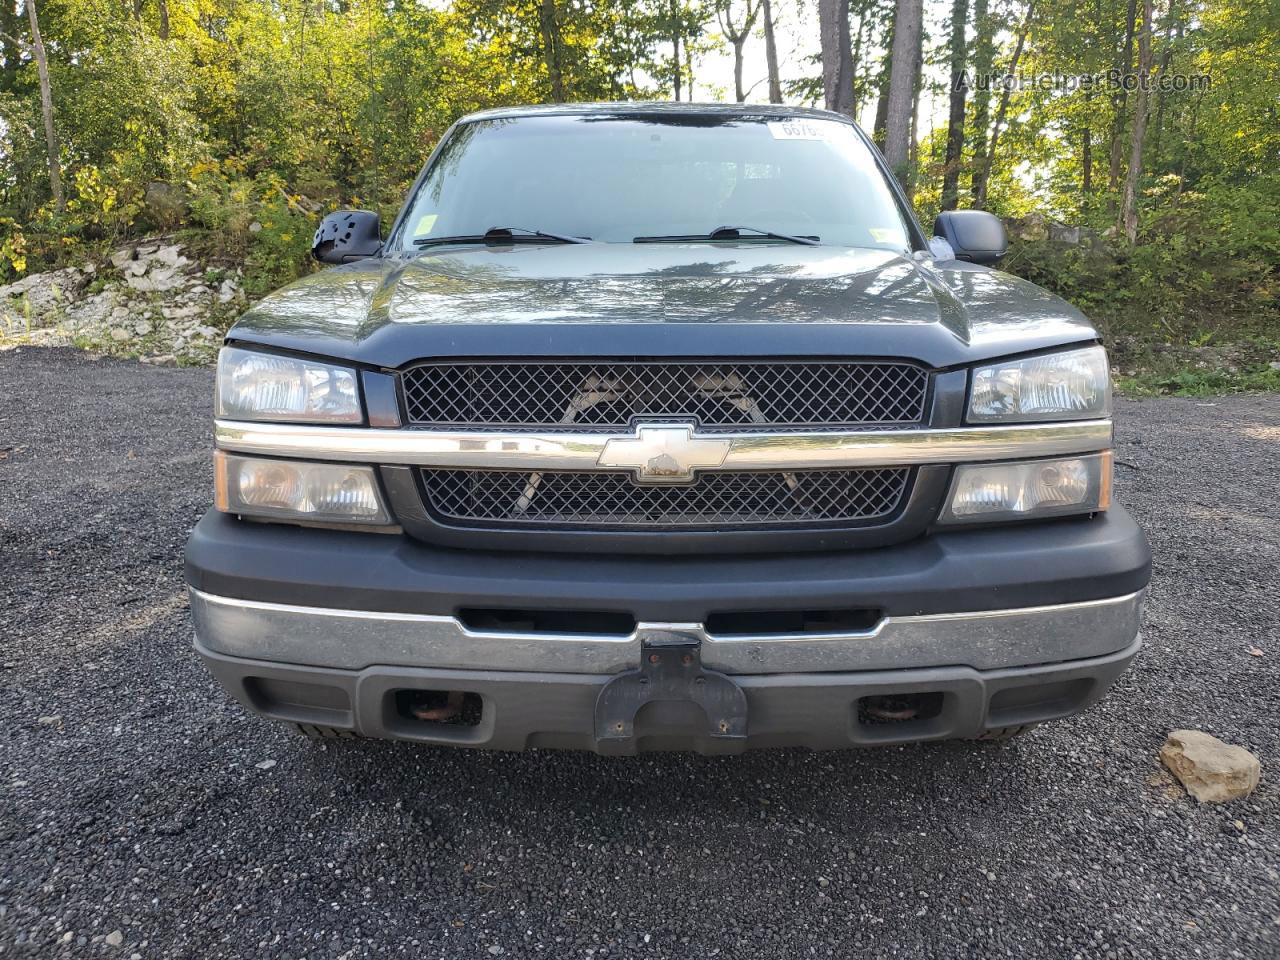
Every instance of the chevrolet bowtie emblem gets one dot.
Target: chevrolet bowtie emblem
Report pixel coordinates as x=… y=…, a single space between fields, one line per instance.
x=663 y=454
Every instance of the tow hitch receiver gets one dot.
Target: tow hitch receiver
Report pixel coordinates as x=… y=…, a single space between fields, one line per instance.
x=670 y=670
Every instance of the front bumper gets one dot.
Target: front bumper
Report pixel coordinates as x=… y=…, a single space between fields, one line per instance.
x=992 y=628
x=559 y=710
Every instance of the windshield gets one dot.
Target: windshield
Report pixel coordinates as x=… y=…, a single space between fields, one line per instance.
x=614 y=178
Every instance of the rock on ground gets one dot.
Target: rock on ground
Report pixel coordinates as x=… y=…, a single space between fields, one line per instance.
x=149 y=300
x=1212 y=771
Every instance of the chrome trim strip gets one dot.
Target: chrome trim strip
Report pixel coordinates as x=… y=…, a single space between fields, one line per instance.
x=582 y=451
x=986 y=640
x=323 y=636
x=355 y=639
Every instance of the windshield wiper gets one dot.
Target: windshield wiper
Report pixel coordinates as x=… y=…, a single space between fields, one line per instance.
x=502 y=235
x=730 y=233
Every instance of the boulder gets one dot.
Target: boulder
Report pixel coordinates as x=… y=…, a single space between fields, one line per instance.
x=172 y=256
x=1061 y=233
x=227 y=291
x=1212 y=771
x=42 y=291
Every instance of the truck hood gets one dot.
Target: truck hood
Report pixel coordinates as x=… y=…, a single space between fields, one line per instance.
x=658 y=300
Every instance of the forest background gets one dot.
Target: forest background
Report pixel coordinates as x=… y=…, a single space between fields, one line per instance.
x=1132 y=146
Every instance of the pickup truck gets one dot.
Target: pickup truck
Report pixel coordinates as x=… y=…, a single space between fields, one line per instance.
x=663 y=426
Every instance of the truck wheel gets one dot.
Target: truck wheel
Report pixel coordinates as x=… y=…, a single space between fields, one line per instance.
x=314 y=731
x=1006 y=733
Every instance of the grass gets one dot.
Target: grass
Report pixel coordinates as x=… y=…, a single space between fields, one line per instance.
x=1199 y=383
x=1201 y=369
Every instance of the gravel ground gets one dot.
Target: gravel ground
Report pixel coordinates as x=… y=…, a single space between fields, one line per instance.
x=143 y=814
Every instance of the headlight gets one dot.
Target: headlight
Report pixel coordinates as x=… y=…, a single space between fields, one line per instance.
x=288 y=490
x=1075 y=385
x=1032 y=489
x=264 y=386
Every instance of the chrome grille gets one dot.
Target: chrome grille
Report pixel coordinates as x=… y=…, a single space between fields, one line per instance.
x=508 y=497
x=609 y=395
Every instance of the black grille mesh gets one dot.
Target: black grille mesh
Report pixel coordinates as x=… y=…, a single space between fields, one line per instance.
x=606 y=396
x=504 y=497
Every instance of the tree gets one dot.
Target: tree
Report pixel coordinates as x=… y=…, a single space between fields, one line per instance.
x=984 y=54
x=771 y=52
x=9 y=43
x=908 y=21
x=677 y=66
x=882 y=89
x=1123 y=65
x=736 y=34
x=913 y=138
x=955 y=120
x=46 y=107
x=1173 y=29
x=550 y=29
x=837 y=55
x=983 y=177
x=1129 y=206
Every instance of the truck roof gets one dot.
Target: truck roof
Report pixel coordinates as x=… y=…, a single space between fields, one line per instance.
x=659 y=107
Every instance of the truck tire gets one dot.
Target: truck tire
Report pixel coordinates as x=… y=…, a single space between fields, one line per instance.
x=1006 y=733
x=314 y=731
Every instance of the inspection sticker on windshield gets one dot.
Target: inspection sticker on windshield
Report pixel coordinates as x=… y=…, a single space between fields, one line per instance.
x=797 y=130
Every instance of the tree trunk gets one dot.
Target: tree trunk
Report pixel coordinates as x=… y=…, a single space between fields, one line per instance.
x=837 y=56
x=856 y=63
x=1129 y=209
x=984 y=55
x=955 y=121
x=771 y=54
x=1086 y=151
x=907 y=22
x=163 y=6
x=737 y=35
x=12 y=53
x=913 y=141
x=739 y=92
x=1123 y=64
x=550 y=29
x=46 y=108
x=1172 y=30
x=688 y=69
x=983 y=176
x=676 y=69
x=882 y=91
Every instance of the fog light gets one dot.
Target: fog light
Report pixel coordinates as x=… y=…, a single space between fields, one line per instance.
x=285 y=489
x=983 y=492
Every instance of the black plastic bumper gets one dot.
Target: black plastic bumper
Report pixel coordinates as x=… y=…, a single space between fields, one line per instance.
x=1039 y=564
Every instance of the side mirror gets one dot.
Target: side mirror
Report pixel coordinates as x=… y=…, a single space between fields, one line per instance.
x=346 y=236
x=974 y=235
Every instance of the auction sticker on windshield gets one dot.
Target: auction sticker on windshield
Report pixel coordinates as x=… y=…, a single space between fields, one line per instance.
x=798 y=130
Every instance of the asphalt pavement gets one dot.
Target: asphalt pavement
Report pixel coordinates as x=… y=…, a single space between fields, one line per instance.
x=144 y=814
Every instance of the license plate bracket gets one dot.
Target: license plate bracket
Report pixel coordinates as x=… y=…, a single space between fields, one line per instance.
x=670 y=670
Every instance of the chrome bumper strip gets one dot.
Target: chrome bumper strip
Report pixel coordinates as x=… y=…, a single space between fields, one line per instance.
x=583 y=451
x=355 y=639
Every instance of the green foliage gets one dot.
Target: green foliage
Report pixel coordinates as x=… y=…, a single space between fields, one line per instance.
x=281 y=248
x=237 y=122
x=255 y=221
x=1210 y=268
x=1198 y=383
